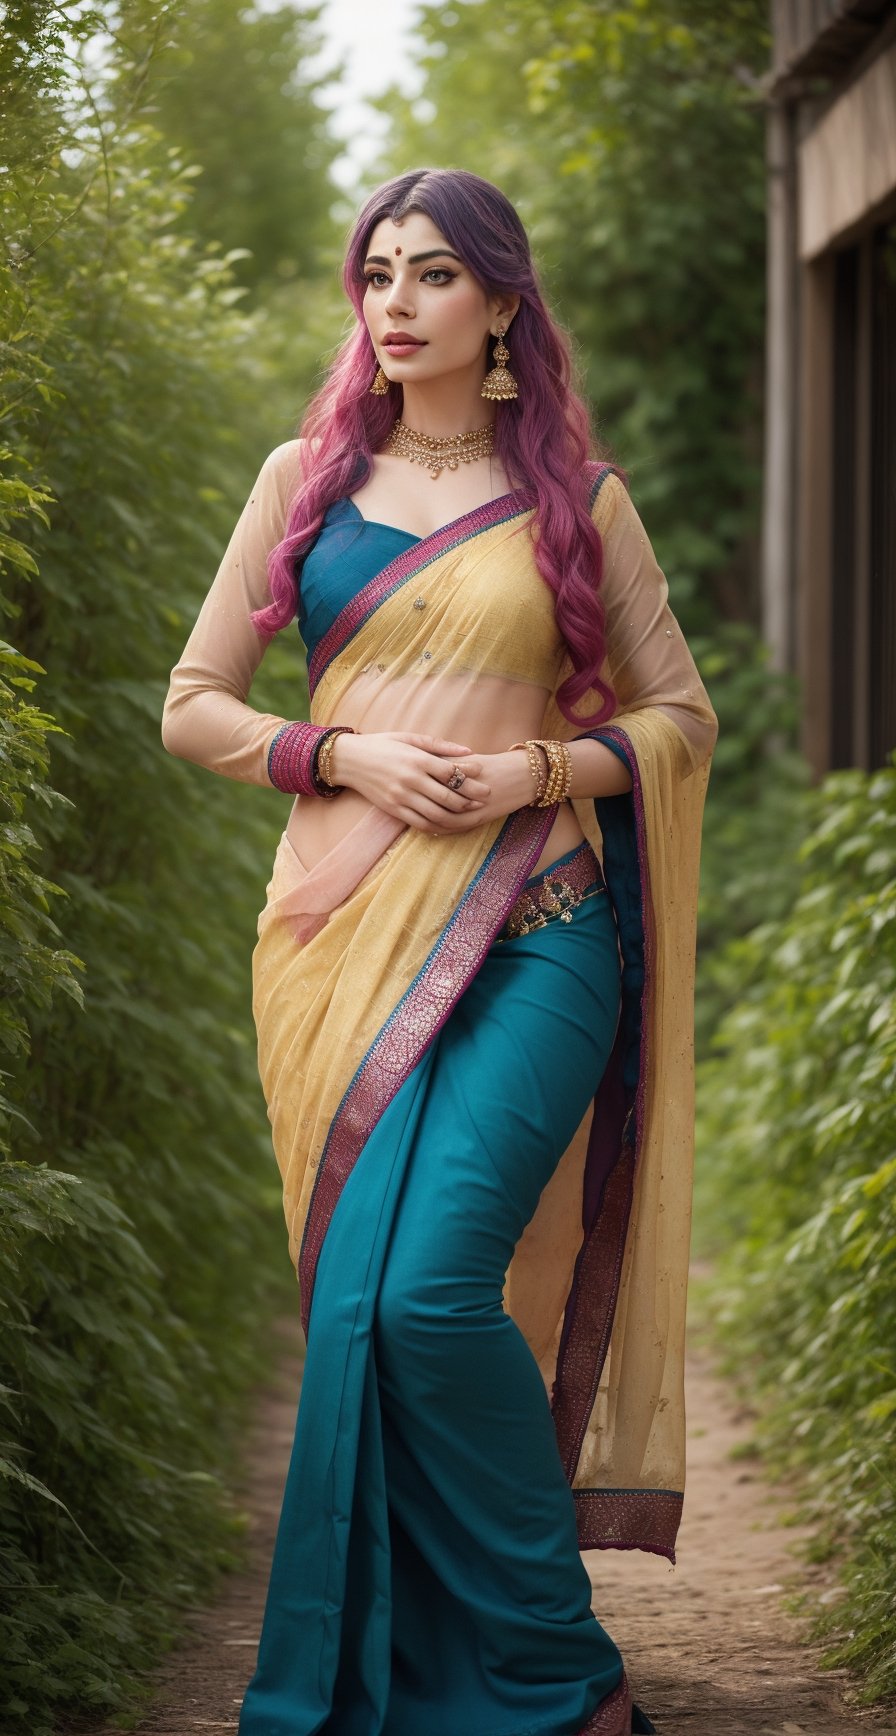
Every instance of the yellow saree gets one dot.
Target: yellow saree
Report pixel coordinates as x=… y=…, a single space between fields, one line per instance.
x=363 y=958
x=618 y=1392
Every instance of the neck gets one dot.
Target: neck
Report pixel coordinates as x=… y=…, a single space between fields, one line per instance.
x=442 y=408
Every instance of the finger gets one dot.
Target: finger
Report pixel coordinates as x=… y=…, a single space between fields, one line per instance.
x=454 y=801
x=471 y=768
x=410 y=817
x=442 y=747
x=426 y=814
x=452 y=824
x=435 y=744
x=472 y=790
x=468 y=822
x=446 y=823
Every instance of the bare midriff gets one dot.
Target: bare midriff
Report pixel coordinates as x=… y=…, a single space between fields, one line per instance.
x=487 y=714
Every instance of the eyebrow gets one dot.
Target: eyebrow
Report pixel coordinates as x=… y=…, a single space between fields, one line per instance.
x=416 y=258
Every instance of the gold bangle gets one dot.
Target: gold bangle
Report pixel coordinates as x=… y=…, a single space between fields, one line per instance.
x=559 y=780
x=551 y=792
x=541 y=769
x=539 y=765
x=322 y=762
x=538 y=768
x=566 y=784
x=553 y=778
x=566 y=780
x=554 y=775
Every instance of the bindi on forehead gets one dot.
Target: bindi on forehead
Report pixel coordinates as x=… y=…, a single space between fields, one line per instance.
x=397 y=251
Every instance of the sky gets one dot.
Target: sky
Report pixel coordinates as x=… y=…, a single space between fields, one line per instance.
x=375 y=37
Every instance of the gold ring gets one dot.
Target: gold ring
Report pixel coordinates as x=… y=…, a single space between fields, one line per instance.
x=456 y=779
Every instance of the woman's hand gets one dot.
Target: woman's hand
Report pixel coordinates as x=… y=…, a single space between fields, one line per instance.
x=407 y=776
x=509 y=781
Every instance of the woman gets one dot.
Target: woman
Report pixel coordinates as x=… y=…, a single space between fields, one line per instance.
x=472 y=991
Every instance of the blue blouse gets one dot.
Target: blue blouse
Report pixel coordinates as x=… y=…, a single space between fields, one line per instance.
x=348 y=551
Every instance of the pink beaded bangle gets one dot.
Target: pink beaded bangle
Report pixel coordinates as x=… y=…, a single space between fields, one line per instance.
x=292 y=759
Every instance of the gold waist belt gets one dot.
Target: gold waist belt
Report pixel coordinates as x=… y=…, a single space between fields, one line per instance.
x=555 y=893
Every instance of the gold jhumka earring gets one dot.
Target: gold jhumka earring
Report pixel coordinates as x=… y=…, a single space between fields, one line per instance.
x=499 y=381
x=380 y=384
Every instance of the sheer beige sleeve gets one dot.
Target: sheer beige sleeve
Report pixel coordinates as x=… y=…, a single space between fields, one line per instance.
x=206 y=718
x=648 y=658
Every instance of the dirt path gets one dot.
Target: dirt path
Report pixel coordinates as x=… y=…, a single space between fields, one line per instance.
x=707 y=1644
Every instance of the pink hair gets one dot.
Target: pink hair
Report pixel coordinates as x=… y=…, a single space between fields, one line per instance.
x=543 y=437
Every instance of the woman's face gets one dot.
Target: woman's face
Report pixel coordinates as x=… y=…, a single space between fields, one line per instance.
x=418 y=288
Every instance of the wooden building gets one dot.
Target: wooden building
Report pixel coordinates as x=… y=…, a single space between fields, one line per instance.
x=829 y=509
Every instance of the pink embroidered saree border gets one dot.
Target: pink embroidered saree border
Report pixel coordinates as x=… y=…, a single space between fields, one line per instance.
x=611 y=1162
x=645 y=1519
x=613 y=1716
x=597 y=472
x=417 y=1019
x=405 y=566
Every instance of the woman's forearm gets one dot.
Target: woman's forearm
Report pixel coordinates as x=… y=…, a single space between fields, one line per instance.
x=597 y=770
x=217 y=730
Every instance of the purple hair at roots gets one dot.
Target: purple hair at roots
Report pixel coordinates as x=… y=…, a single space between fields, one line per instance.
x=543 y=437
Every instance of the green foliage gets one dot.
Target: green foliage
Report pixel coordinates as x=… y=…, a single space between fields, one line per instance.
x=32 y=966
x=631 y=138
x=251 y=124
x=754 y=816
x=140 y=1234
x=797 y=1194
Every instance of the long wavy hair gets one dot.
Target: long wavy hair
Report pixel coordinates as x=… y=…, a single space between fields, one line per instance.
x=543 y=437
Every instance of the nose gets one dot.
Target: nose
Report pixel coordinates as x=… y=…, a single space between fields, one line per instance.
x=399 y=300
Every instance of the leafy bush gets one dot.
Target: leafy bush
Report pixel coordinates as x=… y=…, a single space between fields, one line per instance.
x=140 y=1234
x=754 y=815
x=32 y=966
x=797 y=1194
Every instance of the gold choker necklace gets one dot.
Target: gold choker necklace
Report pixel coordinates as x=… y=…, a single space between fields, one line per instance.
x=437 y=453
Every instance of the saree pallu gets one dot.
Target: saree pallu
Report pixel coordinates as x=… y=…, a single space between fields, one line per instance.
x=449 y=1102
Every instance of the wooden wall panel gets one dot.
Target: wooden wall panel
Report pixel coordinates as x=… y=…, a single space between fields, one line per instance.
x=847 y=163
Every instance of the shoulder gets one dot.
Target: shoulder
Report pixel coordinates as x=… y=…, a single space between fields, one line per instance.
x=283 y=469
x=607 y=490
